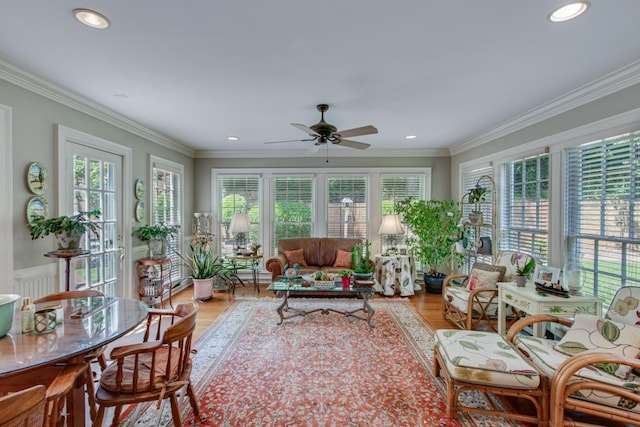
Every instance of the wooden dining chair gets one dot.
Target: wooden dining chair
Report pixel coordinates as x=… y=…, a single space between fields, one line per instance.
x=97 y=354
x=155 y=369
x=25 y=408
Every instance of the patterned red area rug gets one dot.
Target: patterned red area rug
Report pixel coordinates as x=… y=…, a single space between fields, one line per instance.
x=317 y=370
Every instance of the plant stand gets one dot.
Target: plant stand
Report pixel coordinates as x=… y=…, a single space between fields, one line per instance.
x=66 y=255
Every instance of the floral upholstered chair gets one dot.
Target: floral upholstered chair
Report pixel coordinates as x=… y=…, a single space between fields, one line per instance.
x=471 y=299
x=594 y=369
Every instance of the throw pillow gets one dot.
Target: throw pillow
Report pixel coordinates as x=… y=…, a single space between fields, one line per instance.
x=343 y=259
x=479 y=279
x=593 y=333
x=295 y=257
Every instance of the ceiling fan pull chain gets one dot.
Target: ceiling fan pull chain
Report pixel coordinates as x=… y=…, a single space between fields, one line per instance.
x=327 y=161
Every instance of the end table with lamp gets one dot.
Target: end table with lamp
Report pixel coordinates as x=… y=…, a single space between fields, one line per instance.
x=246 y=262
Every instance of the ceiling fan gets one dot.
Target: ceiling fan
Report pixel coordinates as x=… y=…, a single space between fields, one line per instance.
x=323 y=132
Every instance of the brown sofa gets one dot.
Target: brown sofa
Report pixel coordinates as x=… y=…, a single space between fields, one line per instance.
x=319 y=254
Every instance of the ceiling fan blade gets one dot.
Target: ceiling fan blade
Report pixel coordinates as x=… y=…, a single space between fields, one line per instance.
x=314 y=149
x=364 y=130
x=306 y=129
x=352 y=144
x=290 y=140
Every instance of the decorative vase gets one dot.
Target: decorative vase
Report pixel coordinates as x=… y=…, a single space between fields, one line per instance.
x=346 y=281
x=433 y=284
x=157 y=248
x=202 y=289
x=521 y=281
x=68 y=242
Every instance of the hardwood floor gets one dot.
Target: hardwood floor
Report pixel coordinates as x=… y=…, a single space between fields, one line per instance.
x=428 y=305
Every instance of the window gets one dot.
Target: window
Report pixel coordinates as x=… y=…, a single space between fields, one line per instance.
x=602 y=188
x=293 y=207
x=396 y=188
x=239 y=194
x=469 y=180
x=166 y=203
x=347 y=207
x=524 y=214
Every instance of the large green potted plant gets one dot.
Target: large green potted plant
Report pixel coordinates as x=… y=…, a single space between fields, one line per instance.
x=433 y=226
x=361 y=263
x=156 y=237
x=68 y=229
x=204 y=268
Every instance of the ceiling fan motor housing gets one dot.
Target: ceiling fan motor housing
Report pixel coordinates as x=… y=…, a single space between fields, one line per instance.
x=323 y=128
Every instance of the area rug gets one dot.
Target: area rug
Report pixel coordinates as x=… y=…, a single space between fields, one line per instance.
x=317 y=370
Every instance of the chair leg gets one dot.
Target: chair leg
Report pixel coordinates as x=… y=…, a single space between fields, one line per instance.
x=97 y=421
x=193 y=401
x=175 y=410
x=91 y=392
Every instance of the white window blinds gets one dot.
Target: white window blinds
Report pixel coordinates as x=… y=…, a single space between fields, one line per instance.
x=166 y=206
x=396 y=188
x=237 y=194
x=601 y=216
x=347 y=206
x=293 y=207
x=524 y=214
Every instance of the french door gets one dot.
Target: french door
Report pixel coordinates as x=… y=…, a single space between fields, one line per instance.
x=92 y=179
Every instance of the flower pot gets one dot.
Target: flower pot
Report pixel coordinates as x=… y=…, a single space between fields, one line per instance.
x=475 y=218
x=362 y=276
x=346 y=281
x=202 y=288
x=521 y=281
x=68 y=242
x=157 y=248
x=433 y=284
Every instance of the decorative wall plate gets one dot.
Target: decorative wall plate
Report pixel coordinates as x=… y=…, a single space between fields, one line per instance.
x=37 y=207
x=139 y=211
x=139 y=189
x=37 y=178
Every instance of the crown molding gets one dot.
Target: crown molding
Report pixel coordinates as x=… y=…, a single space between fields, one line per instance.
x=610 y=83
x=226 y=154
x=37 y=85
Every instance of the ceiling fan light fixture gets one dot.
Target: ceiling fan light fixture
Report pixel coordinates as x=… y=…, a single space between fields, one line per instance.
x=569 y=11
x=91 y=18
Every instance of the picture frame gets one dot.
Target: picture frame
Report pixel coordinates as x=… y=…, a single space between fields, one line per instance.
x=546 y=275
x=139 y=189
x=37 y=178
x=37 y=207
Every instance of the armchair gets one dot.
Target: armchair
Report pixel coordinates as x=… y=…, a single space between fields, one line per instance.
x=596 y=381
x=466 y=304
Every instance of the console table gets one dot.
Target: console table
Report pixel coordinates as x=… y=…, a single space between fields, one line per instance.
x=527 y=299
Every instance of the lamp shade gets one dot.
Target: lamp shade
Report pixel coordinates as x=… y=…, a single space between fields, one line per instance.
x=391 y=225
x=239 y=223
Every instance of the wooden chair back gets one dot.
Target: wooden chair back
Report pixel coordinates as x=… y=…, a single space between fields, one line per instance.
x=82 y=293
x=24 y=408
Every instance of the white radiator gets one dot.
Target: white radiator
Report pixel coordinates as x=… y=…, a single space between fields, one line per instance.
x=36 y=282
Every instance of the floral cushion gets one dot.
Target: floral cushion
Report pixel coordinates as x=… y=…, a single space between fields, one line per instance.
x=593 y=333
x=624 y=308
x=459 y=298
x=484 y=358
x=546 y=359
x=479 y=279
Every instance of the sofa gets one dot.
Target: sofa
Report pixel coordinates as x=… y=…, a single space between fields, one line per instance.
x=317 y=253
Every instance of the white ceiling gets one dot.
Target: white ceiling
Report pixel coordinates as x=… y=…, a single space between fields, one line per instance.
x=198 y=71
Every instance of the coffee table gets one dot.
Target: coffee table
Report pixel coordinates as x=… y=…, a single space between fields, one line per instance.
x=283 y=289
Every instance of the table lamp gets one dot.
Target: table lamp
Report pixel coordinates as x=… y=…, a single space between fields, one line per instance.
x=240 y=227
x=390 y=228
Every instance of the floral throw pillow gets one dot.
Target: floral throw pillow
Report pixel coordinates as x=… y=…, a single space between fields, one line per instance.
x=593 y=333
x=343 y=259
x=295 y=257
x=480 y=279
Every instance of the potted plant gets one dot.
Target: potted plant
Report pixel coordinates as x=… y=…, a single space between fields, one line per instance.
x=433 y=226
x=361 y=263
x=204 y=268
x=523 y=271
x=156 y=237
x=345 y=276
x=476 y=196
x=67 y=229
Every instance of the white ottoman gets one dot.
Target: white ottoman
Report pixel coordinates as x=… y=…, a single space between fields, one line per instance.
x=485 y=362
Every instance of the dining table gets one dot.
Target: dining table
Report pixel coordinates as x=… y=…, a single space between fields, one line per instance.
x=87 y=324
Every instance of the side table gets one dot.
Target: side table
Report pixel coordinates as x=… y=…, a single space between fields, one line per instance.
x=153 y=276
x=396 y=273
x=240 y=262
x=531 y=302
x=66 y=255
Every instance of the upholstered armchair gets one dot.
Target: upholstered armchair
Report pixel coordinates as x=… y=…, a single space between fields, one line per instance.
x=594 y=368
x=472 y=299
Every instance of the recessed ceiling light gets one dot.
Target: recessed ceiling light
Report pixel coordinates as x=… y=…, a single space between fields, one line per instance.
x=233 y=138
x=120 y=95
x=569 y=11
x=411 y=137
x=91 y=19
